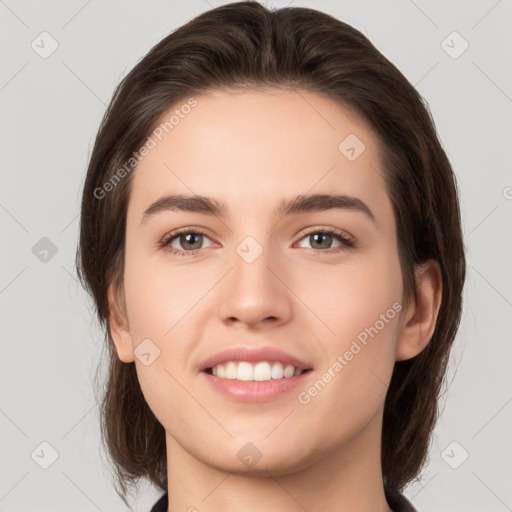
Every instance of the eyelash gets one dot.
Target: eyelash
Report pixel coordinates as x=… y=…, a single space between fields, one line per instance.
x=346 y=240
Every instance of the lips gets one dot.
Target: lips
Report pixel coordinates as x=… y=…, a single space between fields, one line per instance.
x=254 y=387
x=254 y=354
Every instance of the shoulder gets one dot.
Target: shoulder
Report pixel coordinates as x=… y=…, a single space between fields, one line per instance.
x=397 y=501
x=161 y=505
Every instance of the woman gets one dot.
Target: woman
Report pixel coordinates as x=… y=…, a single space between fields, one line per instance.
x=270 y=231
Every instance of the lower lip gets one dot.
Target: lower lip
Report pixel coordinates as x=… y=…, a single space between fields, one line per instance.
x=255 y=391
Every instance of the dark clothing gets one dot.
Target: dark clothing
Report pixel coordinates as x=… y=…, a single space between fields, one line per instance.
x=396 y=500
x=161 y=505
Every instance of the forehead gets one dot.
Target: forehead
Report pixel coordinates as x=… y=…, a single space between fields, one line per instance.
x=252 y=147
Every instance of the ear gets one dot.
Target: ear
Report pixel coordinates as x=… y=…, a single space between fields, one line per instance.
x=420 y=317
x=118 y=324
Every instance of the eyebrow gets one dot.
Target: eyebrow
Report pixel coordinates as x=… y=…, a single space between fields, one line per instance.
x=300 y=204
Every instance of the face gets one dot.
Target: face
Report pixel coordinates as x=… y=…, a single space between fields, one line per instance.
x=317 y=289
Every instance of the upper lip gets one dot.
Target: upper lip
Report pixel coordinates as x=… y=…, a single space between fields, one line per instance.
x=252 y=354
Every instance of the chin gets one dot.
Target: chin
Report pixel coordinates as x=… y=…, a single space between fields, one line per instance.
x=258 y=458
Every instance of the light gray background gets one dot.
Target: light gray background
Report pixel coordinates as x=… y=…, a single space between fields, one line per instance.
x=50 y=111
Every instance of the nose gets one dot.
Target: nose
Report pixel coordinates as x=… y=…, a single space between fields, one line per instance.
x=254 y=293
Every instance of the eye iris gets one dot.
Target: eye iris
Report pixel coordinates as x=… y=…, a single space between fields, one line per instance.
x=186 y=239
x=315 y=237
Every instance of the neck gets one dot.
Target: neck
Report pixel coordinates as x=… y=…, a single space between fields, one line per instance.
x=342 y=480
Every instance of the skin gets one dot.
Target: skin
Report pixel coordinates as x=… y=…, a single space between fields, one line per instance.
x=250 y=149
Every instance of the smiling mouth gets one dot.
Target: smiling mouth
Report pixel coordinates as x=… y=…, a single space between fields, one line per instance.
x=259 y=371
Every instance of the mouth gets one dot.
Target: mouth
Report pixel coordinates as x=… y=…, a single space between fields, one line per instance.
x=254 y=374
x=259 y=371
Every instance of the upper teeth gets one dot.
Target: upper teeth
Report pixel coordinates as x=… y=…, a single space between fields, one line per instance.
x=263 y=370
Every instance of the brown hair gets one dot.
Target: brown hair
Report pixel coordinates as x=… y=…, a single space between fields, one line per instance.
x=244 y=44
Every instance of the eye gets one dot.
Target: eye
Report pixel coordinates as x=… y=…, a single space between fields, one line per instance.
x=322 y=239
x=190 y=241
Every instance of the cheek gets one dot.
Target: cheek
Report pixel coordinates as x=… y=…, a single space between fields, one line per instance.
x=160 y=304
x=158 y=296
x=360 y=309
x=352 y=297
